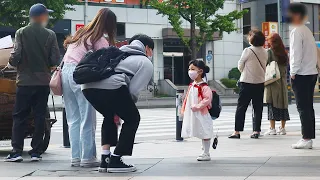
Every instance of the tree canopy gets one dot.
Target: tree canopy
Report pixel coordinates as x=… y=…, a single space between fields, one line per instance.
x=202 y=15
x=15 y=13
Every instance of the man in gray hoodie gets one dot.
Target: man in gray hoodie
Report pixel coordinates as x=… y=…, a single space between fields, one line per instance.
x=117 y=96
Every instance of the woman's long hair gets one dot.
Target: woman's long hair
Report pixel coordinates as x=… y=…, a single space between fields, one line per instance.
x=278 y=48
x=104 y=22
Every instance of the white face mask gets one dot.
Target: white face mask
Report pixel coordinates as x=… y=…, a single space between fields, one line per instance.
x=151 y=57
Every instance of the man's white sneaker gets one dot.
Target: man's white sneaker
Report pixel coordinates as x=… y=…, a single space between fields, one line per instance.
x=303 y=144
x=282 y=131
x=270 y=132
x=204 y=157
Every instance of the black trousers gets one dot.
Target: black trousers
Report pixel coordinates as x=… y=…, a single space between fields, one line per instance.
x=303 y=87
x=35 y=99
x=116 y=102
x=247 y=93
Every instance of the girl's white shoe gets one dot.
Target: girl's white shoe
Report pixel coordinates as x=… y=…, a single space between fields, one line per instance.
x=282 y=131
x=204 y=157
x=270 y=132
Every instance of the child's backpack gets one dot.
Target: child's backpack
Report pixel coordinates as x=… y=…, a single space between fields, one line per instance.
x=215 y=102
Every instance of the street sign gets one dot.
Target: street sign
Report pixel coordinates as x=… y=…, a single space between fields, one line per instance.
x=79 y=26
x=209 y=57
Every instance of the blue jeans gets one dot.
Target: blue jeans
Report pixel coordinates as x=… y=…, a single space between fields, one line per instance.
x=81 y=117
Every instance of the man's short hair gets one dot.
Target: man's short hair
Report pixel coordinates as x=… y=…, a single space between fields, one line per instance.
x=146 y=40
x=257 y=38
x=298 y=9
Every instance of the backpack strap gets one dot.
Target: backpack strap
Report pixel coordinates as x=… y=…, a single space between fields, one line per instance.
x=199 y=87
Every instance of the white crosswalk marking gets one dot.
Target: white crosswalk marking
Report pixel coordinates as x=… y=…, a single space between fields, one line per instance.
x=161 y=123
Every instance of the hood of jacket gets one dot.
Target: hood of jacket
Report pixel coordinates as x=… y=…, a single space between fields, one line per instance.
x=136 y=47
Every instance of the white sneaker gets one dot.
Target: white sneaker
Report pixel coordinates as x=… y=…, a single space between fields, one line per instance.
x=204 y=157
x=90 y=163
x=270 y=132
x=303 y=144
x=282 y=131
x=75 y=162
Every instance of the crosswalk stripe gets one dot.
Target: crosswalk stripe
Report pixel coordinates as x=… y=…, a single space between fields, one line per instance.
x=161 y=123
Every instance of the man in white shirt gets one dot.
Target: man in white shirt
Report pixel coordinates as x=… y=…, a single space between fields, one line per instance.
x=303 y=71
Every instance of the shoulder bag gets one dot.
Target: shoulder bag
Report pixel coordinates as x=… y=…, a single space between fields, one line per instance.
x=272 y=72
x=56 y=80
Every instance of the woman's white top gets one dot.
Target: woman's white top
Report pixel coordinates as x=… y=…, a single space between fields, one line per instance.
x=251 y=70
x=196 y=124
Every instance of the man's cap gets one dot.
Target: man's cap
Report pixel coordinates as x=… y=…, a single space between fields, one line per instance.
x=38 y=10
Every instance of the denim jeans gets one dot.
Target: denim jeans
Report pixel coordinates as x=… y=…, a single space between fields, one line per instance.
x=81 y=117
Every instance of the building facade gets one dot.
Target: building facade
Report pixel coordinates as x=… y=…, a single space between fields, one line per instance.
x=171 y=57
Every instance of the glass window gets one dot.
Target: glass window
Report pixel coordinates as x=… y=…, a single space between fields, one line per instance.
x=247 y=21
x=272 y=12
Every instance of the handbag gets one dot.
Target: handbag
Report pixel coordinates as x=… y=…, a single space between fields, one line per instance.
x=272 y=72
x=56 y=81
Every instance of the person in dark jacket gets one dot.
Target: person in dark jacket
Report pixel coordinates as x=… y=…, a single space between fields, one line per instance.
x=35 y=53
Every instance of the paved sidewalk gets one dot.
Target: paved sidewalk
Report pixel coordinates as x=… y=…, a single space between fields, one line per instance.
x=268 y=158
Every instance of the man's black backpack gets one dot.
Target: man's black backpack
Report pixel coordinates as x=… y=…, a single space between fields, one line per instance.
x=98 y=65
x=215 y=102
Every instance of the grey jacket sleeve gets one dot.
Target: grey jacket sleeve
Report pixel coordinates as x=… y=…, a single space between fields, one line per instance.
x=15 y=57
x=141 y=79
x=54 y=55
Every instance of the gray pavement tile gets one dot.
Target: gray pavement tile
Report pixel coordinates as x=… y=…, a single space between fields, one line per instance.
x=78 y=178
x=190 y=167
x=188 y=178
x=9 y=178
x=282 y=178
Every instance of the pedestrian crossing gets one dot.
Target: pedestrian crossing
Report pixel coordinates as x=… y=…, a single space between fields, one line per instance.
x=159 y=124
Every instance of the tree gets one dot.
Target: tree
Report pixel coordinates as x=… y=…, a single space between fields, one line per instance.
x=199 y=13
x=14 y=13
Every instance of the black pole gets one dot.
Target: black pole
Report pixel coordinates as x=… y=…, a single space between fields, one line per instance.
x=66 y=141
x=179 y=101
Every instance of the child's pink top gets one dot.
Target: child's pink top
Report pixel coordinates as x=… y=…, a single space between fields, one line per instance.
x=75 y=53
x=204 y=99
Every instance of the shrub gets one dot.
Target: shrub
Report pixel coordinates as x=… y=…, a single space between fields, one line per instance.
x=230 y=83
x=234 y=73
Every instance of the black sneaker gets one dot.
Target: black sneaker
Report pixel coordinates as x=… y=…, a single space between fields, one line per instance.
x=35 y=157
x=116 y=165
x=105 y=159
x=14 y=157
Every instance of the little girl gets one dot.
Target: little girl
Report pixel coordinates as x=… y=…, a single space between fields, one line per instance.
x=197 y=121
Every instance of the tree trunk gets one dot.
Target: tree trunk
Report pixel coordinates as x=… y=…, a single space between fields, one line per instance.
x=193 y=38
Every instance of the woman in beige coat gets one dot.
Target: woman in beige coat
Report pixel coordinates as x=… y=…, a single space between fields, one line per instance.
x=277 y=92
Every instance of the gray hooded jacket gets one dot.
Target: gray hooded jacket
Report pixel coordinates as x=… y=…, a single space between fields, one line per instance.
x=139 y=66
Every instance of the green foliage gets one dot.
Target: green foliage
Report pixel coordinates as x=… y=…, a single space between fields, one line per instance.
x=230 y=83
x=15 y=13
x=200 y=13
x=234 y=73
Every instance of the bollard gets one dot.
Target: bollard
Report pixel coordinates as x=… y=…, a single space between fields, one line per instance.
x=179 y=101
x=66 y=141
